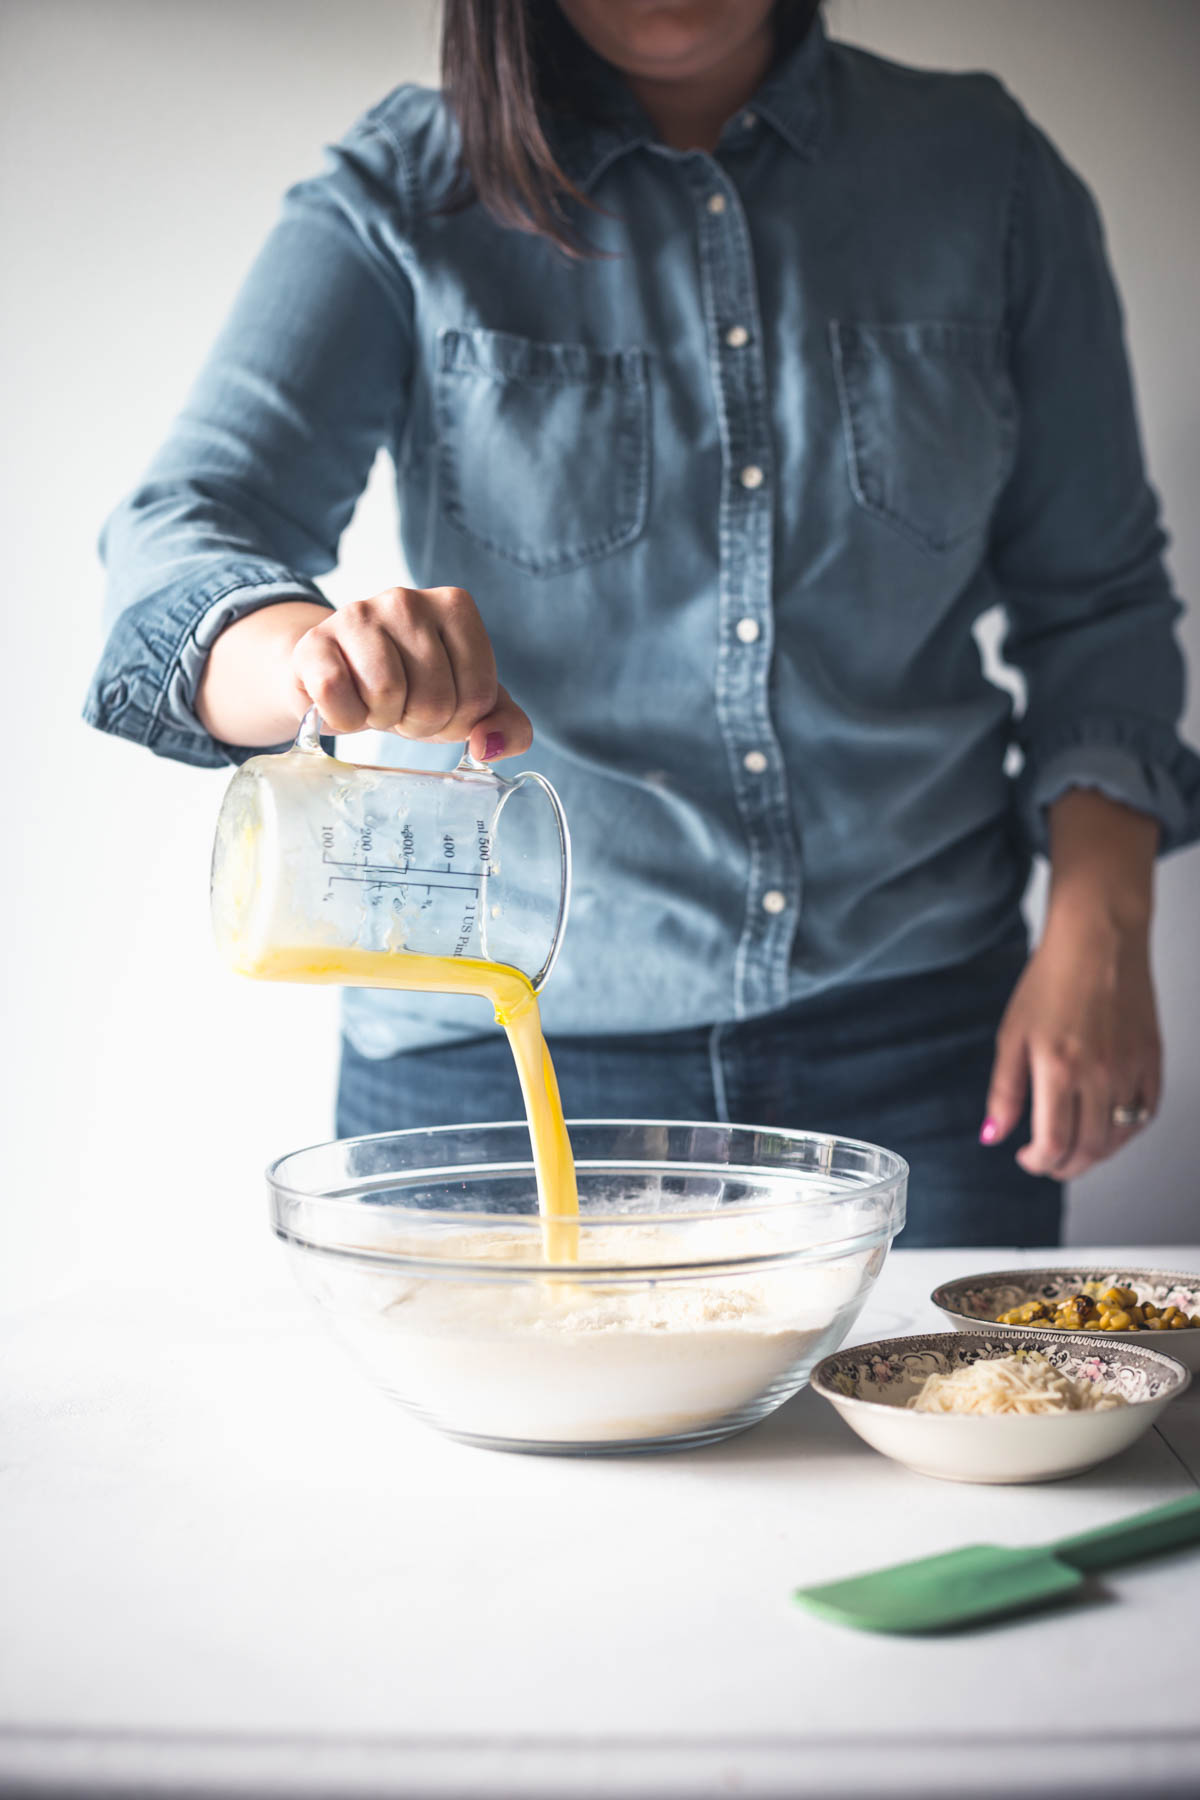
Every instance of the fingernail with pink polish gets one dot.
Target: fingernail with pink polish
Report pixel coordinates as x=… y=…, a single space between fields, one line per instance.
x=990 y=1132
x=494 y=745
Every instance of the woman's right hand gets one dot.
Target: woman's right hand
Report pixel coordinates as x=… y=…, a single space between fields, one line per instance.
x=416 y=661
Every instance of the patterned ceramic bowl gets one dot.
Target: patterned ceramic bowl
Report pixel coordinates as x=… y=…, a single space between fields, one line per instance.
x=871 y=1385
x=973 y=1302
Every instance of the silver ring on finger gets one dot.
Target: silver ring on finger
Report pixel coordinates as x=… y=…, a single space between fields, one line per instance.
x=1130 y=1115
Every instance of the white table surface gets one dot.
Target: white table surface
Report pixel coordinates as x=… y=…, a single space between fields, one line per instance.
x=229 y=1567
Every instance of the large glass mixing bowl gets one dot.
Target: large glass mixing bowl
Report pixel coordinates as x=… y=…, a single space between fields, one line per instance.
x=716 y=1265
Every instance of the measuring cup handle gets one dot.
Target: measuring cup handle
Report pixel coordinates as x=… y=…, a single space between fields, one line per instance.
x=564 y=849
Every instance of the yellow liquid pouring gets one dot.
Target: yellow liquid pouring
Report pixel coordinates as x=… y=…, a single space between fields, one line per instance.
x=515 y=1005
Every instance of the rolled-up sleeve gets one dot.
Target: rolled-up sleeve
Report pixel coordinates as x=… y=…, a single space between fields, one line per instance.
x=1077 y=547
x=246 y=501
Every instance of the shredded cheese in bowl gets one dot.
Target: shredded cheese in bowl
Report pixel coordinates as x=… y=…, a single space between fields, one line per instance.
x=1022 y=1383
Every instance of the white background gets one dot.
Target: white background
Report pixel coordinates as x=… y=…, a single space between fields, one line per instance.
x=144 y=146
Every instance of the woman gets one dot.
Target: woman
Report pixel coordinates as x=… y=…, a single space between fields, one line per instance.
x=730 y=375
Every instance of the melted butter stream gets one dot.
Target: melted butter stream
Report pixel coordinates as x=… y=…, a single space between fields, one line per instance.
x=515 y=1006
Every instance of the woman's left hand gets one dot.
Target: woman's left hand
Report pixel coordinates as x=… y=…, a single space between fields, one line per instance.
x=1081 y=1027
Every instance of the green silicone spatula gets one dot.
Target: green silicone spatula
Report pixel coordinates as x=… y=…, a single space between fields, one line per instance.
x=939 y=1592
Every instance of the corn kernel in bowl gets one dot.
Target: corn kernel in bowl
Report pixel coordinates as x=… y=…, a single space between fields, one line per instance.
x=1094 y=1308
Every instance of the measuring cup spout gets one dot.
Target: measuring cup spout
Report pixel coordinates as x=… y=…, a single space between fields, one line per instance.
x=308 y=736
x=471 y=765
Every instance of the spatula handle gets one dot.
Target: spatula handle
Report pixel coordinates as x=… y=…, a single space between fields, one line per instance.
x=1162 y=1528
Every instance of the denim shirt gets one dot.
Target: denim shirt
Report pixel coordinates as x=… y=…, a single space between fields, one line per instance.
x=731 y=497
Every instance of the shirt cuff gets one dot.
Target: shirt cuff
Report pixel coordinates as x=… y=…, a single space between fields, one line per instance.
x=179 y=698
x=1157 y=775
x=145 y=686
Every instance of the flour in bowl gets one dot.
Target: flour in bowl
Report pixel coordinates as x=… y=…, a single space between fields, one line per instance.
x=597 y=1358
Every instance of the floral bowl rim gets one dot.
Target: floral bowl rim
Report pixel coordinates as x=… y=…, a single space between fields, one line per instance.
x=998 y=1343
x=945 y=1295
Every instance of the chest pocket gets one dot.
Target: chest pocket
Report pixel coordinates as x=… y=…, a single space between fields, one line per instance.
x=544 y=450
x=929 y=419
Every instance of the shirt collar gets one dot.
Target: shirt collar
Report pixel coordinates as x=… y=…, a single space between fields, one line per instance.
x=790 y=100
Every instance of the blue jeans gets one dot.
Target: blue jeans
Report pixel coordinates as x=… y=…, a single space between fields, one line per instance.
x=904 y=1063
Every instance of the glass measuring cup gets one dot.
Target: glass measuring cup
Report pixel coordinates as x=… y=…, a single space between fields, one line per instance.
x=315 y=854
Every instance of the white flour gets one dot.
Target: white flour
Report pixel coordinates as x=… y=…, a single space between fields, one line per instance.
x=547 y=1362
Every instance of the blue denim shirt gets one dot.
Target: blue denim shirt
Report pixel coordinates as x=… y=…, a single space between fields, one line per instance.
x=731 y=498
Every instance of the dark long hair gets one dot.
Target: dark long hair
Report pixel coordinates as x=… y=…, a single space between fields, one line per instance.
x=505 y=65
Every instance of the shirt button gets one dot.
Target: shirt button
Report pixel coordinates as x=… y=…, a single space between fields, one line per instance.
x=716 y=203
x=736 y=336
x=749 y=120
x=751 y=476
x=748 y=630
x=773 y=901
x=755 y=761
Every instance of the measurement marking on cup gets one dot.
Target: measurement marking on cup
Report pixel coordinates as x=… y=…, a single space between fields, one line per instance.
x=367 y=868
x=467 y=929
x=398 y=881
